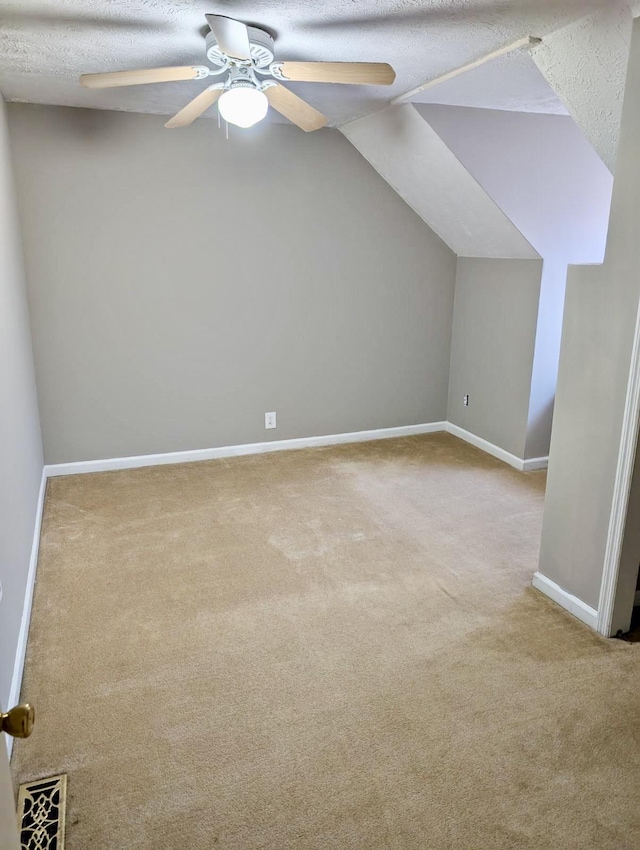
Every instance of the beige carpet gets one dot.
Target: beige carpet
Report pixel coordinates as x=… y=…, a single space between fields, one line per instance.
x=330 y=648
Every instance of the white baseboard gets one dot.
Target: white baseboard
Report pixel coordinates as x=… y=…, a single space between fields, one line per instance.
x=480 y=443
x=136 y=461
x=107 y=464
x=566 y=600
x=21 y=649
x=533 y=464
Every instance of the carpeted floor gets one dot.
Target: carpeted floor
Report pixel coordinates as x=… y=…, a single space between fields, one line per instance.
x=329 y=648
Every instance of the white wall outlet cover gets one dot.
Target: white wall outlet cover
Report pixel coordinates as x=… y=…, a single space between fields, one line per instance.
x=270 y=420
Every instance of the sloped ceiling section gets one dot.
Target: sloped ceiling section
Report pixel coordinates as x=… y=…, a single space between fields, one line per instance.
x=405 y=150
x=540 y=170
x=511 y=83
x=585 y=63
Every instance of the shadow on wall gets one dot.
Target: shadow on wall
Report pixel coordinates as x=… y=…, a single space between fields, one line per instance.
x=96 y=125
x=539 y=428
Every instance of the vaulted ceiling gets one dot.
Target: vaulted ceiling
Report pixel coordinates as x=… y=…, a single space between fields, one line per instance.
x=46 y=44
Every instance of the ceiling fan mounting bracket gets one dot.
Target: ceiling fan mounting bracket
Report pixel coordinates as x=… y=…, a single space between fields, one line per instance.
x=214 y=72
x=275 y=69
x=261 y=44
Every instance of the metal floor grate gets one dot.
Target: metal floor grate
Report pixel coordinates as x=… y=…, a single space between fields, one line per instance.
x=41 y=808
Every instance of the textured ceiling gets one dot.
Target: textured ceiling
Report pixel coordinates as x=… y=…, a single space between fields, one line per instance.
x=46 y=44
x=586 y=65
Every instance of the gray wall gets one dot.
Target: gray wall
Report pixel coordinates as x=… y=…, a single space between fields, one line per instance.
x=182 y=285
x=20 y=444
x=599 y=323
x=494 y=329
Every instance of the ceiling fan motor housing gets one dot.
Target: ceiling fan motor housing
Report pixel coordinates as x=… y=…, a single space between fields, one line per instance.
x=262 y=48
x=242 y=77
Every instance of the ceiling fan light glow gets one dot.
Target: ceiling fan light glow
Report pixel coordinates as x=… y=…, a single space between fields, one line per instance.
x=243 y=106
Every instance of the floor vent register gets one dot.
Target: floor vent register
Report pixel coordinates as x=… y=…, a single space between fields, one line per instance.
x=41 y=808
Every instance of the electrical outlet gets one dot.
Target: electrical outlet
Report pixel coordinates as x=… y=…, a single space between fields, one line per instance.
x=465 y=400
x=270 y=420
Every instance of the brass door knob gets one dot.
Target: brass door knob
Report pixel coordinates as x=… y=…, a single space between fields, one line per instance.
x=18 y=722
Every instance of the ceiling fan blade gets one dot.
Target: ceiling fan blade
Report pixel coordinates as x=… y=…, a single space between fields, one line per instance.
x=232 y=36
x=140 y=77
x=354 y=73
x=194 y=109
x=295 y=109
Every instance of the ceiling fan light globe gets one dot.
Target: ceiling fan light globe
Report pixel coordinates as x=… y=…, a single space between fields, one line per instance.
x=243 y=106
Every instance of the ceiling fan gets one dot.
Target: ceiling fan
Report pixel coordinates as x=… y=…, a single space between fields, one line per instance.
x=246 y=55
